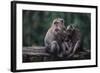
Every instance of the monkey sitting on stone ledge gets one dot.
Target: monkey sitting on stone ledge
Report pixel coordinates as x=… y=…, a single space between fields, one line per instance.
x=61 y=41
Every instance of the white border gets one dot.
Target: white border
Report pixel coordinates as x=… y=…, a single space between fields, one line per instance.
x=37 y=65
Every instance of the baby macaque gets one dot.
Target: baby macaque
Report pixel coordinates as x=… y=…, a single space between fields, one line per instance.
x=72 y=40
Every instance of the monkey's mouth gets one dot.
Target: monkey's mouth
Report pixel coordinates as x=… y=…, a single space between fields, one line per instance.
x=57 y=30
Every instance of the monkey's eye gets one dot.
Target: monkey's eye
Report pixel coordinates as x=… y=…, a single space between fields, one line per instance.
x=56 y=22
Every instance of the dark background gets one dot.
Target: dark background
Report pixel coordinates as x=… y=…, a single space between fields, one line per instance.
x=36 y=24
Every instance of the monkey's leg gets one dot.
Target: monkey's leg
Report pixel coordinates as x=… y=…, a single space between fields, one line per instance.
x=54 y=47
x=75 y=48
x=54 y=50
x=64 y=50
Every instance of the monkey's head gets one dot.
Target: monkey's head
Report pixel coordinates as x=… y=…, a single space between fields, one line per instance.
x=58 y=25
x=70 y=30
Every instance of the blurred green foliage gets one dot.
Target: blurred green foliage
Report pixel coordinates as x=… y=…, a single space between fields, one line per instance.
x=36 y=24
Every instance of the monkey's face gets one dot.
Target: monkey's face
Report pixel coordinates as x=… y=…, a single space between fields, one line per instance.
x=58 y=25
x=70 y=30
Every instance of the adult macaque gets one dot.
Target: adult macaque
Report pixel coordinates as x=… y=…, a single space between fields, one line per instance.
x=53 y=39
x=72 y=40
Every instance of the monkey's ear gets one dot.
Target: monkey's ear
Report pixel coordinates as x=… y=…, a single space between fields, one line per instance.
x=62 y=21
x=64 y=28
